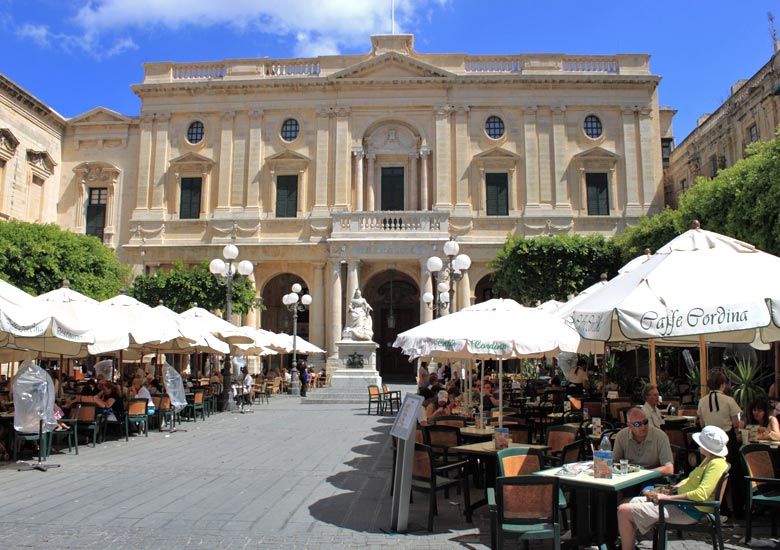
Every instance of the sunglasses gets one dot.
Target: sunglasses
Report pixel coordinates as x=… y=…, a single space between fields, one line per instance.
x=640 y=423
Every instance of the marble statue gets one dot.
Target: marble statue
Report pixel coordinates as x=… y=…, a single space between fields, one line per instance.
x=359 y=324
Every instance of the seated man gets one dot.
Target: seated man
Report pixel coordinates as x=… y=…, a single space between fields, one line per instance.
x=643 y=444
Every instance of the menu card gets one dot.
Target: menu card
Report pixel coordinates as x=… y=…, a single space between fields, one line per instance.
x=602 y=464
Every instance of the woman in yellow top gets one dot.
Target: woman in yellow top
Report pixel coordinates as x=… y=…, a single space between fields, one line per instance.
x=641 y=513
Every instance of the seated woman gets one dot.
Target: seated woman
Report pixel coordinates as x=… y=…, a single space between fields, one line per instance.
x=440 y=406
x=768 y=427
x=138 y=390
x=641 y=513
x=110 y=401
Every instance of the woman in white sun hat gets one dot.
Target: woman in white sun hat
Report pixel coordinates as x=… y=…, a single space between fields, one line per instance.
x=641 y=513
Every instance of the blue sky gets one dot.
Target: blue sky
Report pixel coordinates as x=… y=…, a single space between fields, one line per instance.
x=78 y=54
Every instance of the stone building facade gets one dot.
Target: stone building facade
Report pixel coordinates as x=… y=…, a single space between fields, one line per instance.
x=347 y=172
x=751 y=113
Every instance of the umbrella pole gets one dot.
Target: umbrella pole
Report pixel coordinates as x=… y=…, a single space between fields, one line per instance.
x=703 y=364
x=652 y=361
x=481 y=389
x=777 y=368
x=501 y=392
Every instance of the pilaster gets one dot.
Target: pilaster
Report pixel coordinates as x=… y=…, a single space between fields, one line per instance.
x=225 y=156
x=255 y=161
x=442 y=178
x=413 y=195
x=317 y=310
x=531 y=158
x=322 y=160
x=342 y=164
x=161 y=149
x=424 y=185
x=631 y=161
x=462 y=161
x=562 y=199
x=371 y=199
x=358 y=153
x=144 y=162
x=334 y=307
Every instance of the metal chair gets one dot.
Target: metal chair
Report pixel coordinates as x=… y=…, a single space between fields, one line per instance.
x=526 y=509
x=137 y=413
x=709 y=523
x=72 y=433
x=375 y=398
x=428 y=478
x=762 y=484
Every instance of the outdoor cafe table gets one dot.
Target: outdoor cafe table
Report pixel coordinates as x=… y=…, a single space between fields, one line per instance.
x=486 y=452
x=473 y=434
x=596 y=501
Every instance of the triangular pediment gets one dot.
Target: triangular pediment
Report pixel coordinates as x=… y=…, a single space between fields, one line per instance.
x=191 y=158
x=497 y=153
x=100 y=115
x=597 y=153
x=8 y=139
x=289 y=155
x=391 y=66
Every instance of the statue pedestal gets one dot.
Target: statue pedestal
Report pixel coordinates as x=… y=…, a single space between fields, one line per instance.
x=356 y=369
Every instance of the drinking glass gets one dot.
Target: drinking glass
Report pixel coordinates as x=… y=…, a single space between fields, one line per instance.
x=624 y=466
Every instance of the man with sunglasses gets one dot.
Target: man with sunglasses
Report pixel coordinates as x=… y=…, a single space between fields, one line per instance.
x=643 y=444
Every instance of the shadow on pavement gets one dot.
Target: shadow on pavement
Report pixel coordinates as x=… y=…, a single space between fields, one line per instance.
x=366 y=506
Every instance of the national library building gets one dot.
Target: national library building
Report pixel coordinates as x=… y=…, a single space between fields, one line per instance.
x=346 y=172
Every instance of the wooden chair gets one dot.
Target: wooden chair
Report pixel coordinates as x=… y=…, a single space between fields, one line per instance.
x=88 y=420
x=137 y=413
x=375 y=398
x=762 y=484
x=613 y=409
x=196 y=405
x=428 y=478
x=72 y=433
x=560 y=436
x=449 y=420
x=441 y=438
x=163 y=410
x=261 y=390
x=594 y=408
x=709 y=523
x=526 y=509
x=392 y=398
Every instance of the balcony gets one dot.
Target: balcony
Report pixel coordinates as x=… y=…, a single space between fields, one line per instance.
x=390 y=225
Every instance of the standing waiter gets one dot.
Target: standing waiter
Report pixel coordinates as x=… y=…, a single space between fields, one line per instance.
x=302 y=376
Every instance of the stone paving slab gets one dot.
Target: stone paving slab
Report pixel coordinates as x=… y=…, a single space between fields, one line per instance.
x=286 y=476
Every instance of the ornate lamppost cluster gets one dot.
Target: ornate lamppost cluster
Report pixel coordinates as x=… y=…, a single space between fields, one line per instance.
x=224 y=271
x=456 y=265
x=295 y=303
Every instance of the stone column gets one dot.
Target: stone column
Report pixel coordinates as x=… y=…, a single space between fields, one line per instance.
x=559 y=160
x=342 y=176
x=371 y=184
x=251 y=318
x=161 y=150
x=334 y=307
x=462 y=160
x=649 y=148
x=426 y=285
x=463 y=293
x=225 y=160
x=546 y=183
x=322 y=163
x=254 y=201
x=80 y=221
x=144 y=162
x=317 y=311
x=424 y=200
x=630 y=156
x=532 y=158
x=413 y=197
x=442 y=177
x=353 y=279
x=358 y=173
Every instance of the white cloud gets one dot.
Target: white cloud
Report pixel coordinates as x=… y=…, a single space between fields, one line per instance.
x=319 y=27
x=37 y=33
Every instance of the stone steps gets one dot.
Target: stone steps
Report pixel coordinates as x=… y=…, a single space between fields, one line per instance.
x=336 y=396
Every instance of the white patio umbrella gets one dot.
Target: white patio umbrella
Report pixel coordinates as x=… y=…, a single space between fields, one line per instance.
x=262 y=343
x=700 y=287
x=147 y=326
x=496 y=329
x=196 y=337
x=111 y=330
x=43 y=328
x=220 y=328
x=285 y=341
x=13 y=295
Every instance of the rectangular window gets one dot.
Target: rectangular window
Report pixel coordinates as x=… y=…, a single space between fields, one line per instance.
x=96 y=211
x=666 y=150
x=713 y=166
x=189 y=204
x=683 y=185
x=597 y=190
x=286 y=196
x=35 y=202
x=497 y=194
x=753 y=133
x=392 y=188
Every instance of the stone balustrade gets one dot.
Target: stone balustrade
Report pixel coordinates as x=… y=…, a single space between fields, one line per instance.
x=470 y=65
x=347 y=224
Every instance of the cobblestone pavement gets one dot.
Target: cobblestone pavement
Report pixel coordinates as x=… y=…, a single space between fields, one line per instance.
x=285 y=476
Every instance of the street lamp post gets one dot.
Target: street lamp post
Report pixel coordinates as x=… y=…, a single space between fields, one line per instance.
x=224 y=271
x=295 y=303
x=456 y=265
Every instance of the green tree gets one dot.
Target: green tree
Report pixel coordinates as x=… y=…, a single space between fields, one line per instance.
x=651 y=232
x=36 y=258
x=543 y=268
x=741 y=201
x=179 y=289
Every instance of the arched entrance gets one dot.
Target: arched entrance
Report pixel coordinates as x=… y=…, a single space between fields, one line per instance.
x=396 y=301
x=276 y=317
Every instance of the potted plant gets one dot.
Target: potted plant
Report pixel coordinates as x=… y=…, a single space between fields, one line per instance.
x=747 y=382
